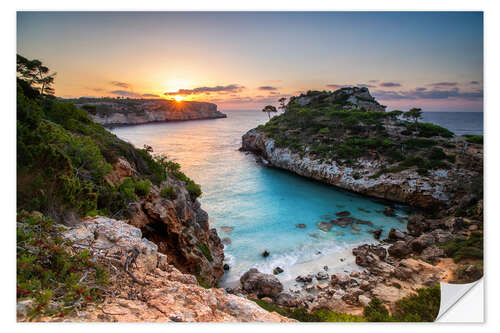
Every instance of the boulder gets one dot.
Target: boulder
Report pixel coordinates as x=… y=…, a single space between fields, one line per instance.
x=432 y=253
x=322 y=276
x=389 y=211
x=351 y=295
x=421 y=242
x=343 y=221
x=304 y=278
x=377 y=233
x=399 y=249
x=416 y=225
x=395 y=235
x=260 y=284
x=367 y=255
x=226 y=241
x=340 y=280
x=226 y=267
x=285 y=299
x=277 y=270
x=265 y=254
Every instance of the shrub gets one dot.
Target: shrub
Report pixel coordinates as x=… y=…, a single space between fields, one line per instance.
x=423 y=307
x=460 y=249
x=142 y=187
x=168 y=192
x=324 y=130
x=428 y=130
x=376 y=311
x=48 y=272
x=301 y=314
x=205 y=250
x=474 y=138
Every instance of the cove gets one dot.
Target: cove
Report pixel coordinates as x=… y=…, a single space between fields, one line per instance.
x=255 y=207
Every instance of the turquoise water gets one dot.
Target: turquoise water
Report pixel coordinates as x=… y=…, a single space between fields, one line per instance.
x=262 y=205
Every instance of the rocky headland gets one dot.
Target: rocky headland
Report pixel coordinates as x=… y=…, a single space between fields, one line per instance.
x=113 y=112
x=330 y=137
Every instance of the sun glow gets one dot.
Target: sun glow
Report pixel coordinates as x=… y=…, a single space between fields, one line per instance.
x=179 y=98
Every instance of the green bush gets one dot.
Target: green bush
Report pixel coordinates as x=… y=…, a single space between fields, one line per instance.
x=422 y=307
x=301 y=314
x=168 y=192
x=205 y=250
x=48 y=272
x=474 y=138
x=428 y=130
x=142 y=187
x=324 y=130
x=460 y=249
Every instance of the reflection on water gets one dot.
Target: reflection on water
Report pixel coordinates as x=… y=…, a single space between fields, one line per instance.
x=262 y=205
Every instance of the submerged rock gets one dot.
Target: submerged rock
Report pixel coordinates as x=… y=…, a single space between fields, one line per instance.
x=343 y=213
x=324 y=226
x=265 y=254
x=300 y=226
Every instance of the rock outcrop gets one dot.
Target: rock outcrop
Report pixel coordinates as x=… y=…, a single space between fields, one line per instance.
x=110 y=112
x=260 y=284
x=437 y=189
x=158 y=292
x=178 y=226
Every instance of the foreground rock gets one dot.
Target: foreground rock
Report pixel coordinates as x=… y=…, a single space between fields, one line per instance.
x=108 y=111
x=260 y=284
x=161 y=292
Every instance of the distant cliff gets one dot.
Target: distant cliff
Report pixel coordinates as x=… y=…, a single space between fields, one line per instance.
x=110 y=111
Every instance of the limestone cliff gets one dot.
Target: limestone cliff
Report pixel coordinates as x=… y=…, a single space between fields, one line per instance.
x=153 y=290
x=369 y=152
x=108 y=112
x=177 y=225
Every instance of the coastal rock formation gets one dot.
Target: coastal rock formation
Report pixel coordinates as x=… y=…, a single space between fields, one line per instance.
x=349 y=97
x=178 y=226
x=438 y=189
x=155 y=291
x=110 y=112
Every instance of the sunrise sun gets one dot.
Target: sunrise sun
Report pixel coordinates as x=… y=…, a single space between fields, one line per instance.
x=179 y=98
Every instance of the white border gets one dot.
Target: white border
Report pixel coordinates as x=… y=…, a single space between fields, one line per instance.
x=491 y=105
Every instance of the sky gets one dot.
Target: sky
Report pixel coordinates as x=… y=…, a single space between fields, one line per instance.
x=246 y=60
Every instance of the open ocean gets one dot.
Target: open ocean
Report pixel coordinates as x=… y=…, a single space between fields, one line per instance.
x=263 y=205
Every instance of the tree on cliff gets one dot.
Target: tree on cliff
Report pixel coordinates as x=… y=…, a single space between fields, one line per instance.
x=282 y=101
x=414 y=113
x=268 y=109
x=35 y=74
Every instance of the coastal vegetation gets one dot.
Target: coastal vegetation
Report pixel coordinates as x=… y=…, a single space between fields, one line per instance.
x=424 y=306
x=338 y=130
x=421 y=307
x=63 y=159
x=51 y=275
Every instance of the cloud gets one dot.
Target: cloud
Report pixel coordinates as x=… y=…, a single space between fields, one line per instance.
x=423 y=93
x=474 y=82
x=200 y=90
x=150 y=95
x=119 y=84
x=364 y=85
x=274 y=93
x=444 y=84
x=373 y=81
x=267 y=88
x=389 y=84
x=125 y=93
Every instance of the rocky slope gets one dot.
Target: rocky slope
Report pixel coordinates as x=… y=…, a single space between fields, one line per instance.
x=178 y=226
x=149 y=289
x=109 y=112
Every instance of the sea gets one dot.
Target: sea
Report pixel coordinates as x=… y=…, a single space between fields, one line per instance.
x=257 y=208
